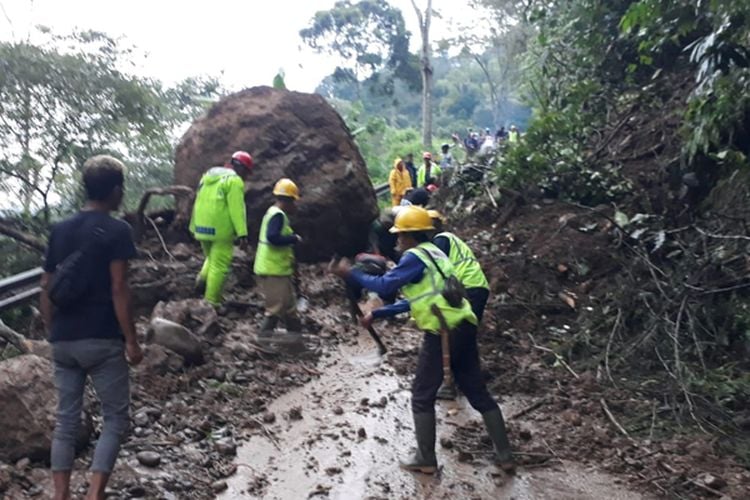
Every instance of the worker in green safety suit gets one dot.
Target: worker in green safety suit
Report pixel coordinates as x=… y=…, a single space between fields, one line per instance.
x=468 y=271
x=421 y=275
x=274 y=261
x=219 y=217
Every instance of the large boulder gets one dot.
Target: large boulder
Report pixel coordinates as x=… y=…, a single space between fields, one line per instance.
x=295 y=135
x=28 y=401
x=176 y=338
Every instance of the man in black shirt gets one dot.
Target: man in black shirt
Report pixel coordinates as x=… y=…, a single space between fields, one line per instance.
x=94 y=336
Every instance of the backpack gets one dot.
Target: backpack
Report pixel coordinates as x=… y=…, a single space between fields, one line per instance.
x=453 y=292
x=72 y=278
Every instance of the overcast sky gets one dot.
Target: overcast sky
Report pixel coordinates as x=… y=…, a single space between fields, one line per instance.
x=242 y=42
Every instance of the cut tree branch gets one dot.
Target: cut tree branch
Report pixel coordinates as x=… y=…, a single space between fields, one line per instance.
x=25 y=238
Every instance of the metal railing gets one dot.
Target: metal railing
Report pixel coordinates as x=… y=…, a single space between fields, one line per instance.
x=19 y=289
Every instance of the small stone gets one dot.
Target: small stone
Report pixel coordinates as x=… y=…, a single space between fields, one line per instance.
x=149 y=458
x=23 y=463
x=269 y=418
x=446 y=443
x=712 y=481
x=137 y=491
x=362 y=433
x=338 y=411
x=365 y=402
x=465 y=456
x=332 y=471
x=141 y=419
x=226 y=447
x=295 y=413
x=525 y=434
x=218 y=486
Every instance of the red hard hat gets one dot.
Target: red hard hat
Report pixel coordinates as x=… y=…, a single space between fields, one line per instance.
x=242 y=158
x=432 y=188
x=427 y=155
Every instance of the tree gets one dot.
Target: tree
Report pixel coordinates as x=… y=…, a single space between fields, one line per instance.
x=426 y=66
x=369 y=36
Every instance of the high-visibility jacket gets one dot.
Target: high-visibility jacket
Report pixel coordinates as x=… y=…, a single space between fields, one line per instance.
x=435 y=171
x=219 y=212
x=273 y=260
x=399 y=181
x=428 y=291
x=465 y=264
x=513 y=136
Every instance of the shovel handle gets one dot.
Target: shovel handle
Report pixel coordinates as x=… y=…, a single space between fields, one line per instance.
x=445 y=344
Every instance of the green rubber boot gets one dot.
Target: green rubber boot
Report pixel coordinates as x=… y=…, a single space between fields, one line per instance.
x=424 y=460
x=495 y=424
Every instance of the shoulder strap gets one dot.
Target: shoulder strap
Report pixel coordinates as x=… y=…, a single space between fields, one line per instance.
x=434 y=262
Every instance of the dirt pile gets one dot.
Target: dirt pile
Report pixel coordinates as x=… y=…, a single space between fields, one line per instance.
x=295 y=135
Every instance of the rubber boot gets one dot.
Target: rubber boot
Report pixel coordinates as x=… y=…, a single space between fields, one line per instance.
x=495 y=424
x=447 y=392
x=268 y=326
x=293 y=325
x=424 y=459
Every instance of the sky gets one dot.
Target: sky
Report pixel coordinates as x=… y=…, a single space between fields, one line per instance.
x=243 y=43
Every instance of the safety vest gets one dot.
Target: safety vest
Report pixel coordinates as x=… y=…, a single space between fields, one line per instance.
x=427 y=291
x=219 y=208
x=272 y=260
x=513 y=136
x=435 y=170
x=465 y=264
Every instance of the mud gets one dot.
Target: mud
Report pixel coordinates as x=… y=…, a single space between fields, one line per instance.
x=356 y=425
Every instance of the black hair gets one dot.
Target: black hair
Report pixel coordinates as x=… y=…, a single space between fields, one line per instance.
x=101 y=175
x=419 y=196
x=421 y=236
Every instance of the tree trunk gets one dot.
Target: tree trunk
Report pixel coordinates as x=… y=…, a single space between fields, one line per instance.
x=25 y=238
x=424 y=28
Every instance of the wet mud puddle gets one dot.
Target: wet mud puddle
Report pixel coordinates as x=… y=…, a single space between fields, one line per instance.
x=356 y=424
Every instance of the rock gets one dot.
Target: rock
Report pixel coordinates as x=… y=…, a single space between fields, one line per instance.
x=295 y=135
x=177 y=338
x=182 y=252
x=295 y=413
x=218 y=486
x=226 y=447
x=362 y=433
x=269 y=418
x=141 y=419
x=711 y=481
x=338 y=411
x=159 y=360
x=194 y=314
x=446 y=443
x=28 y=403
x=148 y=458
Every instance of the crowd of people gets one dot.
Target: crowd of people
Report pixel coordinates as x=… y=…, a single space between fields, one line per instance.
x=86 y=300
x=432 y=173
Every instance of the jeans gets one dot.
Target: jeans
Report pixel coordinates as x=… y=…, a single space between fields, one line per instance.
x=465 y=367
x=104 y=361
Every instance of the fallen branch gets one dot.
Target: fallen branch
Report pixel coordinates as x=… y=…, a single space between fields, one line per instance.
x=609 y=345
x=613 y=420
x=529 y=409
x=268 y=434
x=30 y=241
x=557 y=356
x=13 y=338
x=161 y=239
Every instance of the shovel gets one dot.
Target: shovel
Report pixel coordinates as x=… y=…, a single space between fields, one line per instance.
x=357 y=312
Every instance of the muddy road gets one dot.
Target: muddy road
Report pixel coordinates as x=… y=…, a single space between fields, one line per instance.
x=341 y=436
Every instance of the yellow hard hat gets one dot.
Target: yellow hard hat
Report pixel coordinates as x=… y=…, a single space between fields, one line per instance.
x=434 y=214
x=286 y=187
x=412 y=218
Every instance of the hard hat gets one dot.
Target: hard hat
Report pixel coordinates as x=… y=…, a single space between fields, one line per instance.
x=427 y=155
x=434 y=214
x=242 y=158
x=513 y=127
x=286 y=187
x=411 y=219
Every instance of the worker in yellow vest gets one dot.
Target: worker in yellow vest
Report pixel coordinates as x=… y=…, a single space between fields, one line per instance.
x=218 y=218
x=469 y=273
x=514 y=135
x=421 y=275
x=275 y=262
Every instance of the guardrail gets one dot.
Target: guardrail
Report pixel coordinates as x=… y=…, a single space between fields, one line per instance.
x=19 y=289
x=381 y=189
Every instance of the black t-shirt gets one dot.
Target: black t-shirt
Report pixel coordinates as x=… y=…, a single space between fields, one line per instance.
x=95 y=316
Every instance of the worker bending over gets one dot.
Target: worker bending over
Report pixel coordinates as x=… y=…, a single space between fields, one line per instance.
x=275 y=263
x=421 y=276
x=219 y=217
x=469 y=272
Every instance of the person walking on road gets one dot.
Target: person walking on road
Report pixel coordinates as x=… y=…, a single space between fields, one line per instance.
x=275 y=262
x=468 y=271
x=92 y=332
x=398 y=181
x=421 y=276
x=219 y=217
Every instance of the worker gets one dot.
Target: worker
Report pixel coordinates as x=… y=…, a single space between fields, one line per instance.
x=513 y=135
x=409 y=164
x=428 y=172
x=275 y=263
x=219 y=217
x=399 y=181
x=382 y=241
x=421 y=275
x=468 y=271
